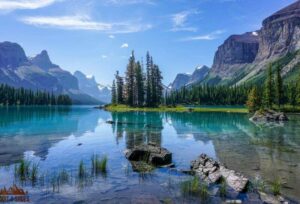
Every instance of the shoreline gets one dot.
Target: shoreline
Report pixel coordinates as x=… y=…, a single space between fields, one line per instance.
x=178 y=109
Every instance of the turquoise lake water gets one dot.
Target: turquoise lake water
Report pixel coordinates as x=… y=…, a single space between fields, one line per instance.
x=57 y=139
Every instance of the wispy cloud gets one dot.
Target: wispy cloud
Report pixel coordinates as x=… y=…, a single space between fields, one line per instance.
x=180 y=19
x=111 y=36
x=10 y=5
x=124 y=45
x=128 y=2
x=81 y=22
x=104 y=56
x=210 y=36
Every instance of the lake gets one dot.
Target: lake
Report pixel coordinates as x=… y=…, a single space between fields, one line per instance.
x=58 y=139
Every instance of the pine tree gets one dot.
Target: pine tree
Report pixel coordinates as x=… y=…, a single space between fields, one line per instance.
x=148 y=80
x=139 y=79
x=113 y=93
x=253 y=102
x=158 y=86
x=120 y=90
x=279 y=88
x=129 y=80
x=268 y=89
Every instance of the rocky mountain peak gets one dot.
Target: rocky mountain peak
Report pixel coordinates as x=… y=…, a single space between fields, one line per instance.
x=237 y=49
x=12 y=55
x=280 y=33
x=43 y=61
x=289 y=12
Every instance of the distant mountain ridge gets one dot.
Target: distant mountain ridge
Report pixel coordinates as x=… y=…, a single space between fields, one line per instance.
x=38 y=73
x=244 y=58
x=182 y=80
x=89 y=86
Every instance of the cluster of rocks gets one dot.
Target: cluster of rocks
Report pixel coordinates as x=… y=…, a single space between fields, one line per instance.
x=269 y=116
x=150 y=154
x=212 y=172
x=144 y=158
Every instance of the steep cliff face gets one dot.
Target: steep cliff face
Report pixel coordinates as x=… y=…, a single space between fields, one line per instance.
x=198 y=75
x=279 y=39
x=180 y=81
x=12 y=55
x=280 y=33
x=244 y=58
x=43 y=61
x=236 y=51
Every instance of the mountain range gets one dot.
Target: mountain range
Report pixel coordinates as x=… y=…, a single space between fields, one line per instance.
x=243 y=59
x=39 y=73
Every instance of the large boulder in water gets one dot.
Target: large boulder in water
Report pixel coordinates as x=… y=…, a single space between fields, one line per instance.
x=212 y=172
x=269 y=116
x=151 y=154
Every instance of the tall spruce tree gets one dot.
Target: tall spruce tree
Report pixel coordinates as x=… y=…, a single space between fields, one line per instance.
x=158 y=86
x=279 y=88
x=148 y=80
x=268 y=89
x=139 y=80
x=113 y=93
x=130 y=81
x=120 y=90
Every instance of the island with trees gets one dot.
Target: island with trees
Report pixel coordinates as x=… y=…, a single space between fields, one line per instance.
x=141 y=90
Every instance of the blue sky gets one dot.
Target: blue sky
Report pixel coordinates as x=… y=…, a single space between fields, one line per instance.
x=97 y=36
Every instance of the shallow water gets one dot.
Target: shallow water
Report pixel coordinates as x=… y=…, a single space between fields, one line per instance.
x=58 y=139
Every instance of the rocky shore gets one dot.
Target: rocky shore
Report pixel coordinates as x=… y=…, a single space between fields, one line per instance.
x=269 y=116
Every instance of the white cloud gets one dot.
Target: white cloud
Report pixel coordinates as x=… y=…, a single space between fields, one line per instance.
x=124 y=45
x=10 y=5
x=211 y=36
x=104 y=56
x=126 y=2
x=111 y=36
x=80 y=22
x=180 y=19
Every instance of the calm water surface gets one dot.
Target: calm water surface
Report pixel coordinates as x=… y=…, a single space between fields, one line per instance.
x=57 y=139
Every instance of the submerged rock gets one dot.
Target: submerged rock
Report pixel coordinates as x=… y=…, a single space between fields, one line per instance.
x=269 y=116
x=212 y=172
x=150 y=154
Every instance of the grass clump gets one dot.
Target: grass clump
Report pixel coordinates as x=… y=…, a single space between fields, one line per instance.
x=81 y=170
x=259 y=185
x=276 y=186
x=194 y=187
x=64 y=177
x=99 y=165
x=22 y=170
x=223 y=188
x=34 y=173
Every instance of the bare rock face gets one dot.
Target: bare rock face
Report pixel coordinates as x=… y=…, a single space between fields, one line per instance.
x=12 y=55
x=180 y=81
x=280 y=33
x=236 y=50
x=212 y=171
x=150 y=154
x=43 y=61
x=269 y=116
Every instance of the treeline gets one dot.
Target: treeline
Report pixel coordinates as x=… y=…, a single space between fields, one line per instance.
x=138 y=88
x=274 y=92
x=21 y=96
x=208 y=95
